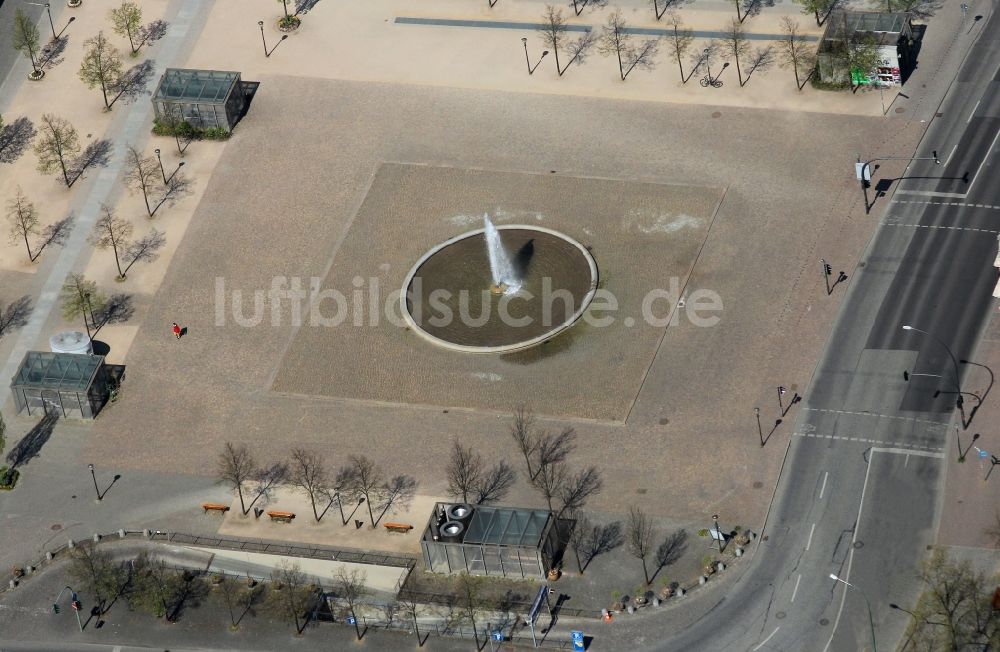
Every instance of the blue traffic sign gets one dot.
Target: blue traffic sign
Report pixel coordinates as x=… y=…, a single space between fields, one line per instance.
x=498 y=635
x=983 y=454
x=577 y=638
x=351 y=620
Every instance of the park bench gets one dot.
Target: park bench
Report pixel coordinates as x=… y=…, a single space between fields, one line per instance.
x=215 y=507
x=284 y=517
x=398 y=527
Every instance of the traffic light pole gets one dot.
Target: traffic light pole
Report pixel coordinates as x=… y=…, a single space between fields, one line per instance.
x=74 y=603
x=864 y=170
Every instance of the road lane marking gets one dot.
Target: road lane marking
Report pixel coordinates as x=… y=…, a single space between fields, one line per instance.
x=826 y=474
x=949 y=228
x=796 y=589
x=810 y=539
x=971 y=115
x=874 y=414
x=986 y=157
x=764 y=642
x=952 y=152
x=893 y=446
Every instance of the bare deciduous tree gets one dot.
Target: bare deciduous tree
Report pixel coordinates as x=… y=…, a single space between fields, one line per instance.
x=817 y=7
x=295 y=598
x=761 y=60
x=411 y=609
x=580 y=5
x=309 y=474
x=177 y=186
x=145 y=249
x=640 y=537
x=495 y=482
x=114 y=232
x=550 y=481
x=471 y=600
x=737 y=45
x=127 y=21
x=350 y=587
x=680 y=42
x=397 y=492
x=15 y=315
x=577 y=489
x=15 y=138
x=671 y=549
x=96 y=570
x=101 y=65
x=553 y=449
x=367 y=479
x=463 y=471
x=23 y=221
x=523 y=431
x=141 y=174
x=795 y=54
x=616 y=40
x=57 y=144
x=79 y=297
x=237 y=467
x=555 y=36
x=25 y=38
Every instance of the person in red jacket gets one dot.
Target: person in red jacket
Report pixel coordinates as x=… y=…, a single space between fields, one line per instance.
x=176 y=330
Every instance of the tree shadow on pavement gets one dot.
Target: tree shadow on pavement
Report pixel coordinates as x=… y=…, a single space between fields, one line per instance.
x=672 y=549
x=15 y=315
x=31 y=444
x=15 y=138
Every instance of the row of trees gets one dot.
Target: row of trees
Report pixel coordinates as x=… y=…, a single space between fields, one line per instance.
x=359 y=481
x=616 y=40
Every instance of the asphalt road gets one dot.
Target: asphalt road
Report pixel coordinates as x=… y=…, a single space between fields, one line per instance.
x=861 y=485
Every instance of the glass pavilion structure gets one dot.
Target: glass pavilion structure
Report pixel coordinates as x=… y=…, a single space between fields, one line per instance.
x=64 y=384
x=501 y=541
x=202 y=98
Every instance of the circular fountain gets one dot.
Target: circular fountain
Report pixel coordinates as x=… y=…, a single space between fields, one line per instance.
x=499 y=289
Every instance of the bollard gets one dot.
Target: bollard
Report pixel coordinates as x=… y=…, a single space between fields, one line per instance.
x=681 y=592
x=70 y=544
x=97 y=538
x=49 y=555
x=702 y=579
x=13 y=584
x=721 y=566
x=739 y=552
x=121 y=534
x=146 y=533
x=656 y=602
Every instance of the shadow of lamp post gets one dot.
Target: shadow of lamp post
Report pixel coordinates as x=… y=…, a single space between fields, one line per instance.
x=871 y=621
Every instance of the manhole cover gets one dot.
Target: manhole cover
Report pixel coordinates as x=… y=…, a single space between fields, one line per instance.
x=640 y=491
x=779 y=615
x=824 y=622
x=859 y=544
x=444 y=411
x=938 y=115
x=716 y=114
x=900 y=109
x=862 y=264
x=56 y=527
x=664 y=421
x=758 y=484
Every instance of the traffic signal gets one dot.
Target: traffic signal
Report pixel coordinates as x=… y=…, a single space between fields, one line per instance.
x=76 y=605
x=828 y=269
x=55 y=608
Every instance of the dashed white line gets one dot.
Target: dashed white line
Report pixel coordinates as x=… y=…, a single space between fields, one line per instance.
x=796 y=589
x=950 y=155
x=810 y=539
x=972 y=114
x=944 y=203
x=826 y=474
x=916 y=449
x=949 y=228
x=876 y=414
x=764 y=642
x=982 y=163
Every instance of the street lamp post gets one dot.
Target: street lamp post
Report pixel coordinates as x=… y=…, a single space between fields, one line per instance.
x=49 y=11
x=527 y=61
x=760 y=432
x=864 y=169
x=718 y=532
x=954 y=360
x=94 y=477
x=871 y=621
x=708 y=64
x=160 y=161
x=260 y=24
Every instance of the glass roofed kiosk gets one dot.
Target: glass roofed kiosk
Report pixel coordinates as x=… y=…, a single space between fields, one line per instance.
x=502 y=541
x=64 y=384
x=202 y=98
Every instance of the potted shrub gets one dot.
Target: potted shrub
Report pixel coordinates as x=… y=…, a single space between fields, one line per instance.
x=640 y=596
x=666 y=590
x=616 y=601
x=74 y=3
x=709 y=565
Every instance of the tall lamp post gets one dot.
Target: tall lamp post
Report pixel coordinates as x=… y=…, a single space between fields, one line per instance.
x=160 y=161
x=871 y=621
x=531 y=71
x=94 y=477
x=260 y=24
x=954 y=360
x=47 y=9
x=863 y=170
x=760 y=431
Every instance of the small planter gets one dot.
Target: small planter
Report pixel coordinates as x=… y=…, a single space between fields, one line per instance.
x=553 y=574
x=74 y=3
x=36 y=75
x=289 y=23
x=631 y=609
x=666 y=592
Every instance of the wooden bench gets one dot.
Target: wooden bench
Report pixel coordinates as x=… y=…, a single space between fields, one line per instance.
x=215 y=507
x=284 y=517
x=398 y=527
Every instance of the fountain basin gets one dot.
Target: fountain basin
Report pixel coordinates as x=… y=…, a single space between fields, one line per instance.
x=447 y=297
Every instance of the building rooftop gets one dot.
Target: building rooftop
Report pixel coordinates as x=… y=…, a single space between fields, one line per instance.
x=58 y=371
x=507 y=526
x=186 y=85
x=865 y=21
